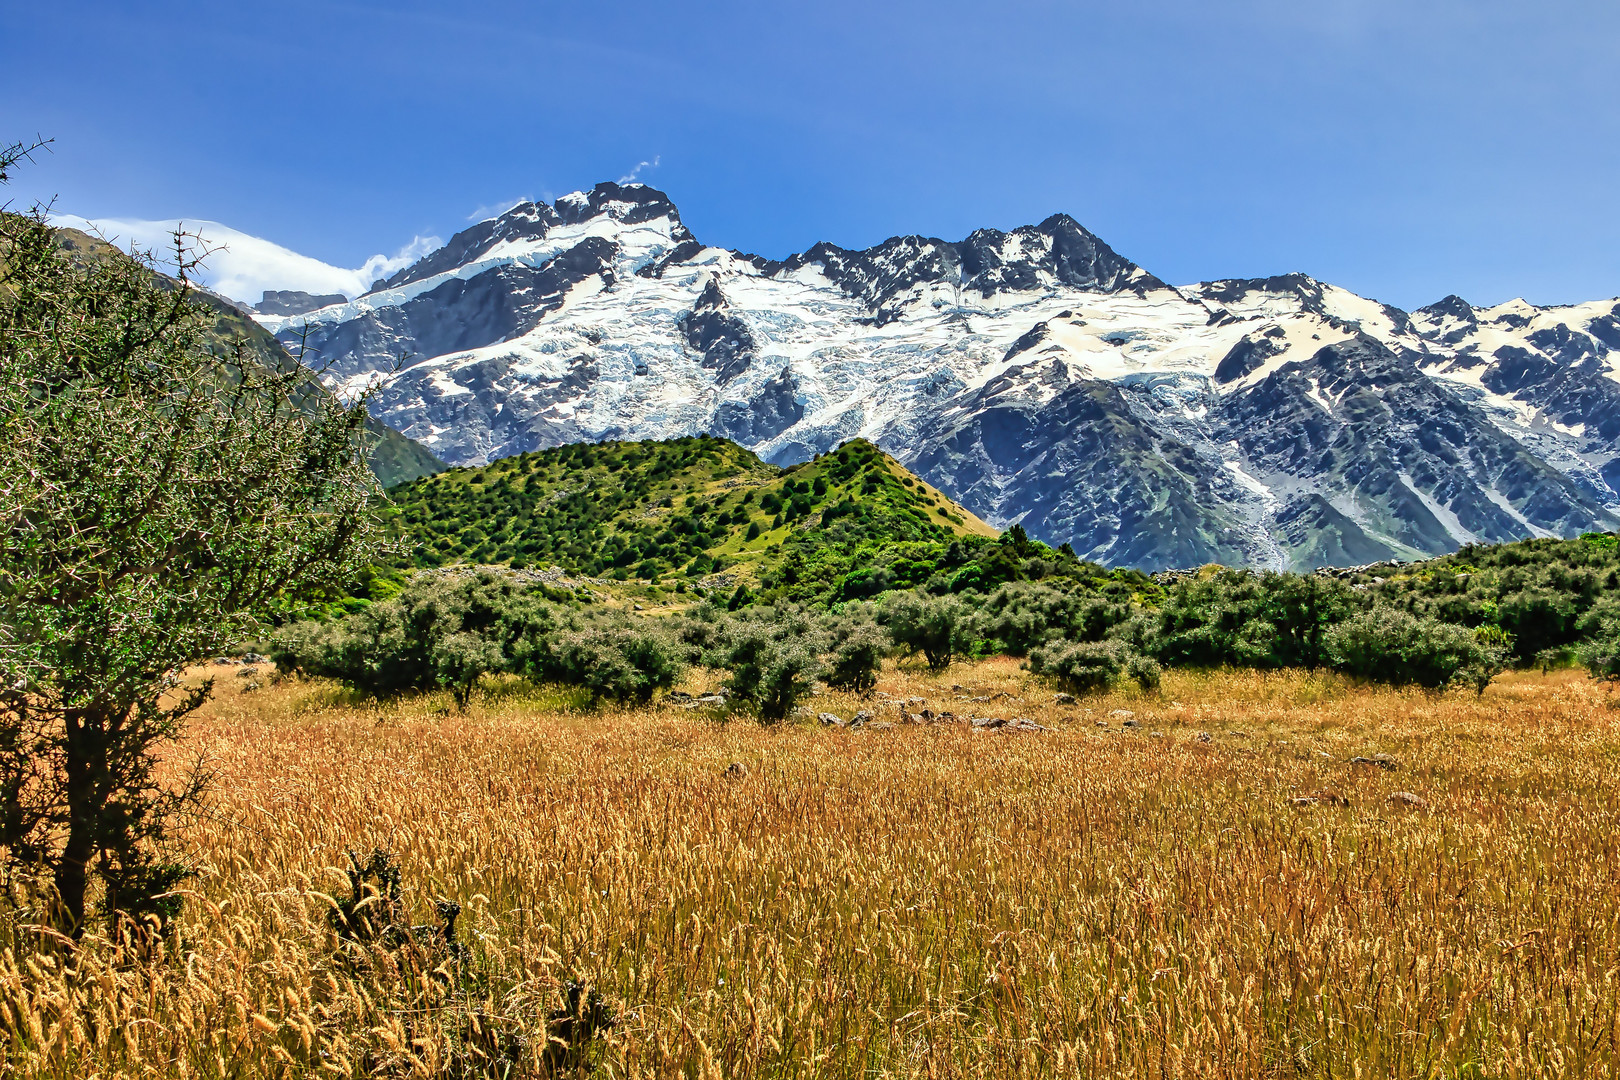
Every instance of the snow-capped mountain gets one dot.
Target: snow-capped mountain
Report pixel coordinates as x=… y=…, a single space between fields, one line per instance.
x=1036 y=376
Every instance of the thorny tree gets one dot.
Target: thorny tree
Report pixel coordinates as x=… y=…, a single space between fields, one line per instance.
x=157 y=491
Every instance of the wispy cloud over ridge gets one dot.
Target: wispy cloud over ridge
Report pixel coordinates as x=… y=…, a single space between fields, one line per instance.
x=497 y=208
x=632 y=176
x=242 y=266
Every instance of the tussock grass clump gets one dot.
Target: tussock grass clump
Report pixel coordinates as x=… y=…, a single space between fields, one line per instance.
x=1213 y=892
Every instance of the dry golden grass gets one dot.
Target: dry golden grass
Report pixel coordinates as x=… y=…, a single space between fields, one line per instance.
x=922 y=901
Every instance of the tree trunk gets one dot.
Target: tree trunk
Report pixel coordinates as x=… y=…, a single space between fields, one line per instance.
x=73 y=870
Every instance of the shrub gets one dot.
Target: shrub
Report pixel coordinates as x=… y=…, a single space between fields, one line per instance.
x=461 y=659
x=938 y=627
x=1245 y=619
x=1022 y=615
x=1393 y=646
x=619 y=662
x=1144 y=671
x=1599 y=652
x=702 y=633
x=1600 y=656
x=1537 y=618
x=770 y=672
x=1081 y=667
x=440 y=632
x=856 y=655
x=370 y=651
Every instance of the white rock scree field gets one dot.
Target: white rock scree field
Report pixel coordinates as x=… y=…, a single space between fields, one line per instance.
x=1035 y=376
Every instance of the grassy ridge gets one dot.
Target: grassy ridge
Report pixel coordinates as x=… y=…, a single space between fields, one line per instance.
x=688 y=507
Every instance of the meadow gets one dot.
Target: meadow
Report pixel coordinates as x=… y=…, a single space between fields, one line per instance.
x=1215 y=892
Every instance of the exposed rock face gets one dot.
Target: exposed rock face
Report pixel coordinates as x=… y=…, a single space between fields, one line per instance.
x=1036 y=376
x=295 y=302
x=719 y=336
x=773 y=410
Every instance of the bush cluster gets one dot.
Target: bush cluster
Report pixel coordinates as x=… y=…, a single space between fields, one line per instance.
x=1551 y=598
x=1452 y=621
x=1391 y=645
x=449 y=631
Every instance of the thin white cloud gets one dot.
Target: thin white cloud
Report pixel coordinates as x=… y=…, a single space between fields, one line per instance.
x=496 y=209
x=243 y=267
x=631 y=176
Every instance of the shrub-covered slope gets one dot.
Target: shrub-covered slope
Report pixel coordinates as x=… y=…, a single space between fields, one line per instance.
x=1547 y=596
x=691 y=507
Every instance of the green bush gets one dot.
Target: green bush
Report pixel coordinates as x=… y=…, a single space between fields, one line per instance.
x=1020 y=616
x=1144 y=671
x=1389 y=645
x=463 y=658
x=857 y=648
x=1244 y=619
x=620 y=662
x=1600 y=657
x=440 y=632
x=771 y=670
x=1599 y=651
x=938 y=627
x=446 y=632
x=1081 y=667
x=701 y=632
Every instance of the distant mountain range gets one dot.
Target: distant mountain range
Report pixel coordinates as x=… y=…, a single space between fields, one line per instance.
x=1034 y=376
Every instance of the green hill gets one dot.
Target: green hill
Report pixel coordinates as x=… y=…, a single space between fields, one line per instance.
x=689 y=508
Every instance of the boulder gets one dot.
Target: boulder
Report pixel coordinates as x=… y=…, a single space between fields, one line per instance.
x=1017 y=723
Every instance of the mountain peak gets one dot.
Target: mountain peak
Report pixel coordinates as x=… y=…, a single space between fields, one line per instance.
x=525 y=221
x=630 y=203
x=1453 y=305
x=626 y=204
x=1034 y=372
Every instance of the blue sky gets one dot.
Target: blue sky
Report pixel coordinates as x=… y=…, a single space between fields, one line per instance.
x=1402 y=149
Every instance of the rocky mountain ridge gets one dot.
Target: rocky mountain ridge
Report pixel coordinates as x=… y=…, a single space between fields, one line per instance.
x=1035 y=376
